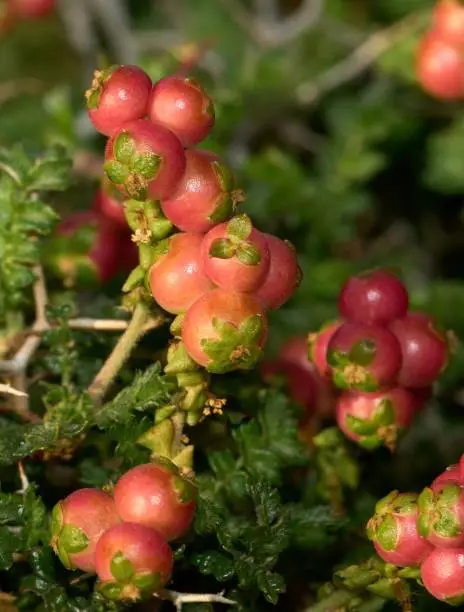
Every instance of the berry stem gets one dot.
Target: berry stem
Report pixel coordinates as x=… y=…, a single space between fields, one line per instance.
x=142 y=321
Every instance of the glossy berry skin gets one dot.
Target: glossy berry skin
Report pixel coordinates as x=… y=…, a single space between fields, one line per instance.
x=235 y=255
x=132 y=562
x=156 y=495
x=318 y=344
x=224 y=331
x=31 y=9
x=375 y=419
x=109 y=203
x=440 y=68
x=376 y=298
x=448 y=16
x=205 y=196
x=363 y=357
x=393 y=530
x=144 y=160
x=283 y=275
x=181 y=105
x=118 y=95
x=441 y=518
x=424 y=351
x=178 y=278
x=78 y=522
x=442 y=574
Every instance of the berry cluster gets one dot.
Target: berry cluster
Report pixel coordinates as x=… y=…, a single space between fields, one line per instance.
x=440 y=58
x=216 y=271
x=123 y=537
x=93 y=245
x=426 y=530
x=383 y=358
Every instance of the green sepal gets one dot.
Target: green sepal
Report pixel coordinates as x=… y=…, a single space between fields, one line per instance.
x=184 y=490
x=178 y=360
x=93 y=99
x=147 y=582
x=57 y=519
x=110 y=590
x=136 y=186
x=63 y=555
x=135 y=279
x=384 y=414
x=222 y=248
x=164 y=413
x=240 y=227
x=176 y=326
x=184 y=459
x=124 y=148
x=73 y=540
x=121 y=568
x=248 y=254
x=225 y=208
x=224 y=175
x=159 y=438
x=146 y=165
x=387 y=533
x=458 y=600
x=361 y=427
x=194 y=398
x=362 y=353
x=116 y=172
x=410 y=573
x=160 y=228
x=386 y=588
x=190 y=379
x=385 y=504
x=371 y=442
x=236 y=348
x=147 y=256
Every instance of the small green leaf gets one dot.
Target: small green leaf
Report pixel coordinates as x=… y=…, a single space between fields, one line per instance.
x=121 y=568
x=240 y=227
x=271 y=585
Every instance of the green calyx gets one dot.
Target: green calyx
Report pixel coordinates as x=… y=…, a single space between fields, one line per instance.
x=438 y=512
x=66 y=539
x=178 y=360
x=226 y=204
x=129 y=586
x=159 y=438
x=146 y=219
x=129 y=169
x=379 y=430
x=236 y=348
x=240 y=227
x=236 y=244
x=121 y=568
x=382 y=527
x=100 y=77
x=184 y=490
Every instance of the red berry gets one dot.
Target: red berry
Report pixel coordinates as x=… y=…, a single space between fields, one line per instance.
x=118 y=95
x=376 y=297
x=441 y=518
x=449 y=22
x=424 y=351
x=31 y=9
x=205 y=196
x=283 y=276
x=144 y=160
x=442 y=574
x=421 y=396
x=393 y=529
x=440 y=68
x=363 y=357
x=302 y=387
x=318 y=343
x=181 y=105
x=78 y=522
x=132 y=562
x=110 y=204
x=156 y=495
x=224 y=331
x=452 y=474
x=235 y=255
x=177 y=278
x=375 y=419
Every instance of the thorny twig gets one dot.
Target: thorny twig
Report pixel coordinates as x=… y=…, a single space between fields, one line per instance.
x=180 y=599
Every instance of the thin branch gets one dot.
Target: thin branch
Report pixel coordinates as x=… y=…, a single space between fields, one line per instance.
x=9 y=390
x=180 y=599
x=11 y=89
x=358 y=61
x=86 y=324
x=23 y=478
x=286 y=30
x=40 y=298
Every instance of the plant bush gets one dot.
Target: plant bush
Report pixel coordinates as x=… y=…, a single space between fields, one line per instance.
x=230 y=271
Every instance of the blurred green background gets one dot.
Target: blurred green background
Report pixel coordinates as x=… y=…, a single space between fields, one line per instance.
x=318 y=111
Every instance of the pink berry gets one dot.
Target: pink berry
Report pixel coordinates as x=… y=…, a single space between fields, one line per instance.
x=318 y=344
x=177 y=278
x=442 y=574
x=181 y=105
x=118 y=95
x=393 y=529
x=283 y=276
x=109 y=203
x=441 y=518
x=31 y=9
x=205 y=196
x=235 y=255
x=132 y=562
x=376 y=297
x=363 y=357
x=424 y=351
x=78 y=522
x=377 y=418
x=144 y=160
x=448 y=19
x=224 y=331
x=158 y=496
x=440 y=67
x=453 y=474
